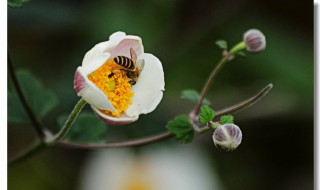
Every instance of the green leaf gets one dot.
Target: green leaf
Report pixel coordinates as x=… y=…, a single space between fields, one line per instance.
x=181 y=127
x=206 y=114
x=86 y=128
x=222 y=44
x=193 y=96
x=40 y=100
x=241 y=53
x=226 y=119
x=16 y=113
x=16 y=3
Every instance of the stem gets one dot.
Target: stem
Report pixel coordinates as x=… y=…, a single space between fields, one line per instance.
x=240 y=46
x=38 y=146
x=36 y=124
x=246 y=103
x=45 y=143
x=208 y=84
x=75 y=112
x=138 y=142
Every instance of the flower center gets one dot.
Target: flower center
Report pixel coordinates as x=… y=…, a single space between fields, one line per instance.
x=115 y=85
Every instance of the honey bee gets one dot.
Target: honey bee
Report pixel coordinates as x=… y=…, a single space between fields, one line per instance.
x=132 y=67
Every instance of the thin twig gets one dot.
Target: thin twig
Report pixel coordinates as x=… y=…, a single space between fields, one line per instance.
x=27 y=108
x=36 y=147
x=208 y=84
x=138 y=142
x=75 y=112
x=246 y=103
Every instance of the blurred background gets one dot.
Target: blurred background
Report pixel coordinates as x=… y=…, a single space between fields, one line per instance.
x=50 y=38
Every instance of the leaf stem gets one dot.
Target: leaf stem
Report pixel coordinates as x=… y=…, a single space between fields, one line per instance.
x=36 y=124
x=75 y=112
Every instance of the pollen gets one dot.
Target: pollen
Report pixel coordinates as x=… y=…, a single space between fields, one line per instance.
x=115 y=86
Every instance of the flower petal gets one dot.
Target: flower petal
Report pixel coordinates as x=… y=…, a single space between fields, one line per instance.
x=123 y=119
x=148 y=90
x=97 y=56
x=123 y=48
x=90 y=92
x=117 y=37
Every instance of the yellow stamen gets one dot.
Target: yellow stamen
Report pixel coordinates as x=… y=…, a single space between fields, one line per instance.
x=116 y=88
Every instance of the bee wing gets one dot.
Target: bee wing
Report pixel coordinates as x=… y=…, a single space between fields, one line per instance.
x=140 y=64
x=133 y=54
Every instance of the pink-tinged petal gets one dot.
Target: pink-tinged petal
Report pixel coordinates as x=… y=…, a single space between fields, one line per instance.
x=123 y=48
x=90 y=92
x=148 y=90
x=122 y=120
x=79 y=82
x=117 y=37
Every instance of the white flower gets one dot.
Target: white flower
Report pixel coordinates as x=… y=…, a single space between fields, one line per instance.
x=169 y=168
x=105 y=85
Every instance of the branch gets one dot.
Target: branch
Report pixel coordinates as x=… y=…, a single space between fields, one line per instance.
x=27 y=108
x=138 y=142
x=148 y=140
x=246 y=103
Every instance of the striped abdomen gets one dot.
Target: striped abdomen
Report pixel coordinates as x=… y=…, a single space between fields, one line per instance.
x=124 y=62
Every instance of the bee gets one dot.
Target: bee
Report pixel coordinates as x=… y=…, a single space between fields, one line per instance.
x=131 y=66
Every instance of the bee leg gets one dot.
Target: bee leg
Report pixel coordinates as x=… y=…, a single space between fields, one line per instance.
x=111 y=75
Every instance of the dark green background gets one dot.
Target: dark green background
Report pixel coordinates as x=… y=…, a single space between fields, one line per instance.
x=50 y=38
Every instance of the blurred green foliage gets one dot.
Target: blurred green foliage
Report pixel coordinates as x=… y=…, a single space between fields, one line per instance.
x=40 y=99
x=50 y=38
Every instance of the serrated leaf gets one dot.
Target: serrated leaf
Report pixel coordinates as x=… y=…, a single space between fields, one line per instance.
x=193 y=96
x=226 y=119
x=40 y=100
x=181 y=127
x=16 y=3
x=87 y=128
x=222 y=44
x=206 y=114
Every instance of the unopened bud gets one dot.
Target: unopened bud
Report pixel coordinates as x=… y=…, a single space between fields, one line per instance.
x=255 y=41
x=227 y=137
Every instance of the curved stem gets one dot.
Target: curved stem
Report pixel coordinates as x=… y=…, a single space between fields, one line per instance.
x=232 y=109
x=208 y=83
x=246 y=103
x=138 y=142
x=230 y=55
x=75 y=112
x=49 y=142
x=36 y=124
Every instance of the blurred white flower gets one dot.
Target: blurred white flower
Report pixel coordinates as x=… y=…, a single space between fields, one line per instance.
x=119 y=80
x=175 y=168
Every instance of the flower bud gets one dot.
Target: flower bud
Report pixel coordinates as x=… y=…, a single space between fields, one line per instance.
x=255 y=41
x=227 y=137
